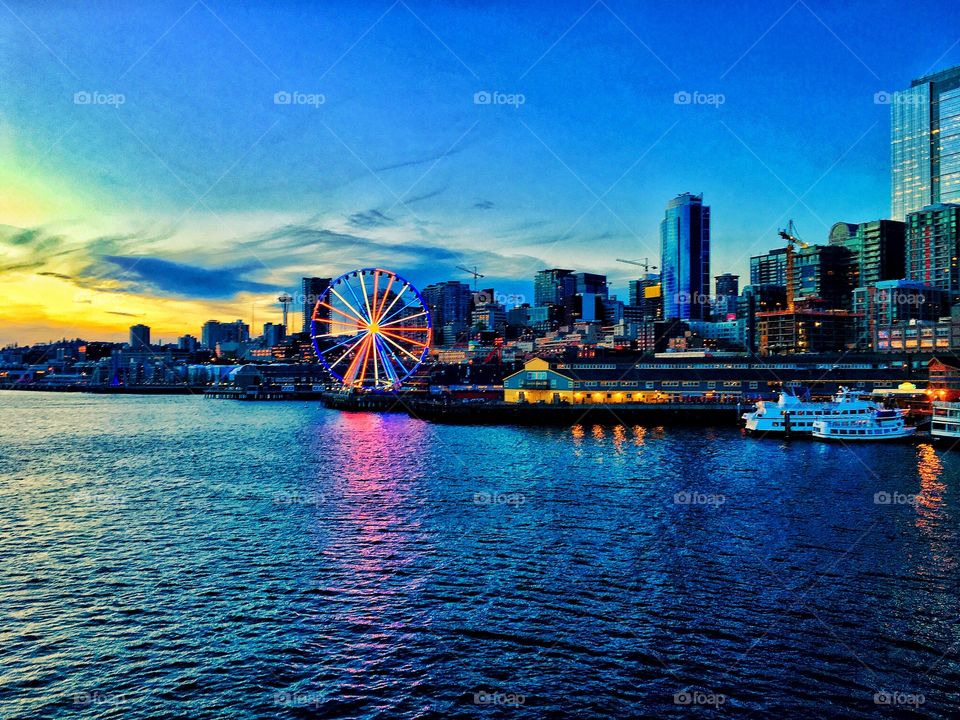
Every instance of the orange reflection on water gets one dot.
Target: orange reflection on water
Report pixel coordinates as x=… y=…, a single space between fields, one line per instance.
x=619 y=437
x=929 y=467
x=639 y=434
x=577 y=432
x=598 y=433
x=931 y=512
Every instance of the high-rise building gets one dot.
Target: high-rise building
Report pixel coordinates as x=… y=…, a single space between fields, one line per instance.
x=876 y=250
x=274 y=334
x=553 y=287
x=901 y=316
x=925 y=143
x=589 y=283
x=449 y=304
x=933 y=246
x=727 y=288
x=215 y=332
x=311 y=288
x=685 y=258
x=644 y=299
x=139 y=337
x=769 y=269
x=187 y=342
x=821 y=277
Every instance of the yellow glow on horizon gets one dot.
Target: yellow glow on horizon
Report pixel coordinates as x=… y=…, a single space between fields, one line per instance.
x=36 y=308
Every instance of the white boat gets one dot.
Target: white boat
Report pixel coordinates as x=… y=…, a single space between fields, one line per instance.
x=945 y=422
x=883 y=425
x=791 y=415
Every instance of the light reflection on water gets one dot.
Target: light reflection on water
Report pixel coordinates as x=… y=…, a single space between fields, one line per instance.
x=408 y=565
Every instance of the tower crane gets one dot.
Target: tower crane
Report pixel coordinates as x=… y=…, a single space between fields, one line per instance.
x=790 y=235
x=476 y=275
x=645 y=264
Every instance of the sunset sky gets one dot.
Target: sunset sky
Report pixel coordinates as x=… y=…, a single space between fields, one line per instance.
x=147 y=173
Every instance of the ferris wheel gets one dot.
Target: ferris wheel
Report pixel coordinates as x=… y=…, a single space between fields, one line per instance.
x=371 y=329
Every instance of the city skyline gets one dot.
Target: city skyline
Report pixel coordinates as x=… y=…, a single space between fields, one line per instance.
x=125 y=206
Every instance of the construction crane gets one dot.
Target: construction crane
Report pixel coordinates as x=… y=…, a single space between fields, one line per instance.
x=476 y=275
x=645 y=264
x=790 y=235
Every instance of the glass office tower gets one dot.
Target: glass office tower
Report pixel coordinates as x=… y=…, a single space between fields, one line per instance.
x=685 y=258
x=925 y=143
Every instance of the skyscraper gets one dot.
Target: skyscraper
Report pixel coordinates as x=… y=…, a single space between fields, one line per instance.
x=311 y=288
x=553 y=287
x=933 y=246
x=876 y=247
x=139 y=337
x=685 y=258
x=925 y=143
x=449 y=304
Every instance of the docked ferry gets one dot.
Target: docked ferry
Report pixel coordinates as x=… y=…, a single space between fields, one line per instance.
x=790 y=414
x=883 y=425
x=945 y=422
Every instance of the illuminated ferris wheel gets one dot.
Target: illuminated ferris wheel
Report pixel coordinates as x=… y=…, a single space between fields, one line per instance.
x=371 y=329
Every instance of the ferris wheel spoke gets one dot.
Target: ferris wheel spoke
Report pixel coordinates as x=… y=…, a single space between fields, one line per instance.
x=348 y=351
x=385 y=315
x=378 y=311
x=400 y=347
x=388 y=354
x=350 y=376
x=366 y=297
x=407 y=329
x=352 y=318
x=339 y=344
x=399 y=311
x=409 y=317
x=386 y=333
x=356 y=312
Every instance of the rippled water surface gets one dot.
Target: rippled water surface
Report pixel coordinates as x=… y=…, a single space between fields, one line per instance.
x=181 y=558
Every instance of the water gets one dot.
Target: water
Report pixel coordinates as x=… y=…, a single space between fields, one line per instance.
x=174 y=557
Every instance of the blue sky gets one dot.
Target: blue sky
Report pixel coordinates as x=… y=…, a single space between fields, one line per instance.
x=200 y=177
